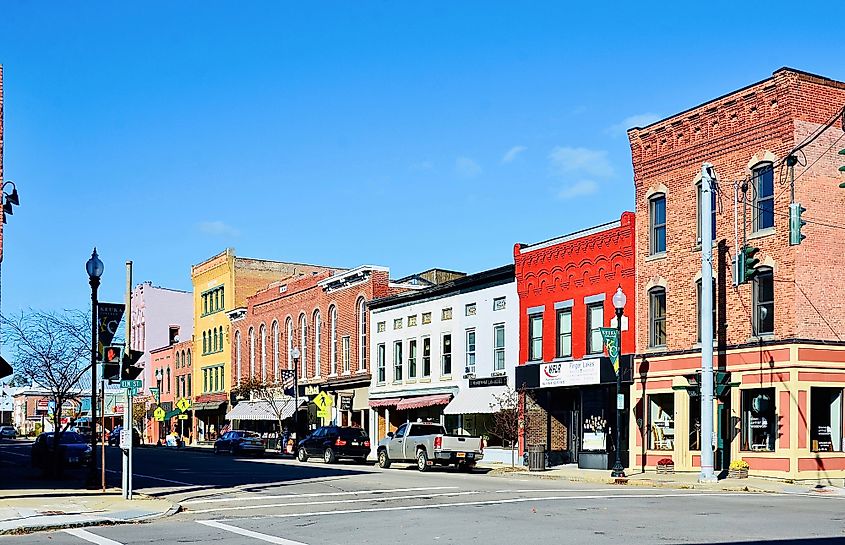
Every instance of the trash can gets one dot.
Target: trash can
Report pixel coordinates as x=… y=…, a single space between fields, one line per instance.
x=536 y=457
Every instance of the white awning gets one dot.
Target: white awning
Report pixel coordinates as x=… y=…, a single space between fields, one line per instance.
x=476 y=400
x=262 y=410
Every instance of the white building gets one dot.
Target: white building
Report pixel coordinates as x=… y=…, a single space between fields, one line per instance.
x=445 y=353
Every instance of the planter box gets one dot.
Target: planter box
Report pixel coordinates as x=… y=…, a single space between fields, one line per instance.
x=666 y=468
x=737 y=474
x=593 y=460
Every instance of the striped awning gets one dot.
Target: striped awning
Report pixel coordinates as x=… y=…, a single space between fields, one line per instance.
x=387 y=402
x=423 y=401
x=255 y=410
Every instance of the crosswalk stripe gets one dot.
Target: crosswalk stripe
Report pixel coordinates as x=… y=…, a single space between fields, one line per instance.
x=91 y=537
x=320 y=494
x=249 y=533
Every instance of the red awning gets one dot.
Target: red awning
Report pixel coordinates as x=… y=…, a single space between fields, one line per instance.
x=388 y=402
x=423 y=401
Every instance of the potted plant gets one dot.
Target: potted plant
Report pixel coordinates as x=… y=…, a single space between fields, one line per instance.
x=738 y=469
x=665 y=465
x=593 y=454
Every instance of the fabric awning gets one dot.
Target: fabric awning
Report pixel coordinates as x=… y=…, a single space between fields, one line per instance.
x=362 y=396
x=476 y=401
x=423 y=401
x=262 y=410
x=387 y=402
x=208 y=405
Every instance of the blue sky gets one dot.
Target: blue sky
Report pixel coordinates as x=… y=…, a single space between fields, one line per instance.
x=411 y=135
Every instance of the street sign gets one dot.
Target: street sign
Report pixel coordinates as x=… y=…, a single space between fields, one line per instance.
x=182 y=417
x=183 y=404
x=125 y=438
x=158 y=414
x=131 y=383
x=324 y=402
x=155 y=393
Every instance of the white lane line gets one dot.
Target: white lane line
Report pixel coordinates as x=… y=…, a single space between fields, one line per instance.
x=249 y=533
x=574 y=490
x=328 y=502
x=321 y=494
x=157 y=478
x=494 y=502
x=91 y=538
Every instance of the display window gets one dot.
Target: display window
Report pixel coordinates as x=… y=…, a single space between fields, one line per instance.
x=826 y=419
x=661 y=419
x=759 y=420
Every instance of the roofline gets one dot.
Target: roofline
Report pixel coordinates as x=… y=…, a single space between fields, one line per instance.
x=349 y=272
x=523 y=248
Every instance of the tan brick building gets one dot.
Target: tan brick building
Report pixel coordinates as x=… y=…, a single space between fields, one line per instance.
x=778 y=339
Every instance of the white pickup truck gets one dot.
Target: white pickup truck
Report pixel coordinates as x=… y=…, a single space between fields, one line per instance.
x=426 y=444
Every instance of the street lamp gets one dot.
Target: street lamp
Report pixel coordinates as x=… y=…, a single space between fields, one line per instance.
x=159 y=376
x=9 y=199
x=295 y=353
x=94 y=267
x=619 y=301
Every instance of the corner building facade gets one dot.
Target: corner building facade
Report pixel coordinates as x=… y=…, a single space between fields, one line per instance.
x=778 y=340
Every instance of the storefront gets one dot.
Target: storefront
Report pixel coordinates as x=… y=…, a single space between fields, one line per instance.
x=569 y=407
x=210 y=417
x=388 y=413
x=473 y=411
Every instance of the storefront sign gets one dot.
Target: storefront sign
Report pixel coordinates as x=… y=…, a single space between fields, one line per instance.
x=570 y=373
x=345 y=403
x=488 y=381
x=312 y=390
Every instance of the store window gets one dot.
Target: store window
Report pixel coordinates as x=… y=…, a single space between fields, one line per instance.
x=764 y=302
x=535 y=337
x=595 y=320
x=564 y=333
x=826 y=419
x=694 y=422
x=759 y=422
x=661 y=418
x=657 y=317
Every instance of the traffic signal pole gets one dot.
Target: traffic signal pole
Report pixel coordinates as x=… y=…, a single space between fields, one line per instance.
x=127 y=409
x=708 y=180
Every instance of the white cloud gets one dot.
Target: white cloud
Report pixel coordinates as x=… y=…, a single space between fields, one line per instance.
x=578 y=189
x=511 y=154
x=217 y=228
x=638 y=120
x=566 y=161
x=466 y=167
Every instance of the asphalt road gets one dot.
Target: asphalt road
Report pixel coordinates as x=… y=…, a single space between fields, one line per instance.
x=270 y=500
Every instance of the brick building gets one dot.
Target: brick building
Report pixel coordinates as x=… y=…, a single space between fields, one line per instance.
x=171 y=371
x=565 y=288
x=325 y=316
x=778 y=339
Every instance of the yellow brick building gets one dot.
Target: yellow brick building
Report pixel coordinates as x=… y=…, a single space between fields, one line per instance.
x=220 y=285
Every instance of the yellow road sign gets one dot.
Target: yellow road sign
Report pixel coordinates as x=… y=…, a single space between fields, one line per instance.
x=158 y=414
x=182 y=417
x=183 y=404
x=323 y=401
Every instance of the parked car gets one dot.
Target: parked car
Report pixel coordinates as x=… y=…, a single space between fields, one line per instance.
x=8 y=432
x=72 y=447
x=114 y=436
x=239 y=442
x=334 y=442
x=427 y=444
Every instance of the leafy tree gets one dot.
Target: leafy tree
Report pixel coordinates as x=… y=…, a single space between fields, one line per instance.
x=271 y=393
x=506 y=420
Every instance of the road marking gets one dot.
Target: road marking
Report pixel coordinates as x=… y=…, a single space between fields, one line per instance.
x=320 y=494
x=249 y=533
x=327 y=502
x=91 y=538
x=156 y=478
x=496 y=502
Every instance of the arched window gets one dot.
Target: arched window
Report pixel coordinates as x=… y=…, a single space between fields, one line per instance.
x=204 y=343
x=214 y=334
x=168 y=379
x=221 y=338
x=263 y=333
x=289 y=340
x=318 y=341
x=182 y=359
x=657 y=317
x=362 y=334
x=189 y=357
x=251 y=352
x=238 y=363
x=333 y=338
x=303 y=345
x=275 y=329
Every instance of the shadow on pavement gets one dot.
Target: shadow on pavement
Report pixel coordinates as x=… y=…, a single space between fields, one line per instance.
x=798 y=541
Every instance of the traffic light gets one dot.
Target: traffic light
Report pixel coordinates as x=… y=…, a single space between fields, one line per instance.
x=112 y=356
x=128 y=369
x=746 y=264
x=796 y=223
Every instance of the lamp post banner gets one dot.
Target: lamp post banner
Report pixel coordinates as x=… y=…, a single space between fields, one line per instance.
x=610 y=335
x=108 y=320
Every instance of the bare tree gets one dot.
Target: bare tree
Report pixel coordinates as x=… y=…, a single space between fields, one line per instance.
x=506 y=421
x=51 y=350
x=269 y=391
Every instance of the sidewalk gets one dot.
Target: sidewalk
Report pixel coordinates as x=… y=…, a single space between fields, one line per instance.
x=655 y=480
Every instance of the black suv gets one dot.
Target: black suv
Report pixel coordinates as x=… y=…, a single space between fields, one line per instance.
x=334 y=442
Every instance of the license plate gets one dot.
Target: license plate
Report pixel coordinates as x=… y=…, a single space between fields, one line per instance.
x=470 y=455
x=461 y=455
x=354 y=443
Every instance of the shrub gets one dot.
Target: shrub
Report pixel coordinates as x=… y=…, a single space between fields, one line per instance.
x=665 y=462
x=738 y=465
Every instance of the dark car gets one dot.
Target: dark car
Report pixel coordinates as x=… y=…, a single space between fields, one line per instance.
x=239 y=442
x=334 y=442
x=8 y=432
x=73 y=448
x=114 y=436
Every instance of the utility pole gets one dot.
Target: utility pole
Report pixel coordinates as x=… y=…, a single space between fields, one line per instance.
x=128 y=424
x=705 y=228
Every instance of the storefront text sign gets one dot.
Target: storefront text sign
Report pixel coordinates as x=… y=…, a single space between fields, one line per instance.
x=570 y=373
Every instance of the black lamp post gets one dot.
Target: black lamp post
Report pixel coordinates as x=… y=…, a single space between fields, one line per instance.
x=294 y=353
x=159 y=376
x=619 y=301
x=94 y=267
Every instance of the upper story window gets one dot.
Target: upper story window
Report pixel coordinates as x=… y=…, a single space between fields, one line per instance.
x=657 y=317
x=238 y=363
x=380 y=327
x=657 y=224
x=535 y=337
x=469 y=309
x=446 y=314
x=318 y=342
x=262 y=332
x=346 y=353
x=213 y=300
x=397 y=323
x=397 y=361
x=426 y=357
x=499 y=303
x=446 y=357
x=380 y=363
x=362 y=334
x=275 y=329
x=412 y=320
x=499 y=347
x=764 y=197
x=764 y=302
x=333 y=339
x=289 y=335
x=595 y=320
x=426 y=317
x=412 y=359
x=564 y=333
x=698 y=307
x=699 y=211
x=303 y=345
x=470 y=351
x=251 y=337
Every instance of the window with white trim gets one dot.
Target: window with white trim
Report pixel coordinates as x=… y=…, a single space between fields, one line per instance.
x=499 y=347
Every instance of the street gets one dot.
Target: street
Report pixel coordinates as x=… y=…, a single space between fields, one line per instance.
x=272 y=500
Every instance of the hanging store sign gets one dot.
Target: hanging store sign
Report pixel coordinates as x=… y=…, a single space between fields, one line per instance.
x=483 y=382
x=345 y=403
x=570 y=373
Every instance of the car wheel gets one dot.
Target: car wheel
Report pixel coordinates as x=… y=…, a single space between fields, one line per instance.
x=301 y=455
x=328 y=456
x=422 y=461
x=383 y=460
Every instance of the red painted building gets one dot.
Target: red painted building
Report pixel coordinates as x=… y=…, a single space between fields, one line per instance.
x=171 y=374
x=565 y=287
